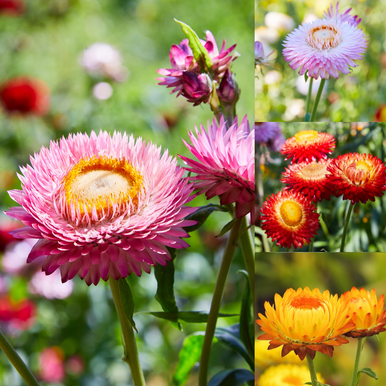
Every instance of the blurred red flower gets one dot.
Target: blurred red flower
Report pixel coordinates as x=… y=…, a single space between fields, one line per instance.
x=25 y=96
x=19 y=315
x=12 y=7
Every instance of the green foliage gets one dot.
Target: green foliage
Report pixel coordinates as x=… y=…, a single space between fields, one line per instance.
x=235 y=377
x=127 y=301
x=187 y=316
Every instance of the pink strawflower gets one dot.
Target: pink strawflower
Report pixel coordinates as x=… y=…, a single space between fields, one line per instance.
x=182 y=61
x=325 y=47
x=333 y=13
x=225 y=165
x=102 y=206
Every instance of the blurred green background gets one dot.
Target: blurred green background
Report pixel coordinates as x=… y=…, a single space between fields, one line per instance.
x=367 y=231
x=280 y=94
x=47 y=42
x=338 y=273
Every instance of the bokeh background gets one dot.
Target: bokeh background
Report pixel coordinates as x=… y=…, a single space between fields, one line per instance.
x=77 y=323
x=281 y=92
x=367 y=231
x=338 y=273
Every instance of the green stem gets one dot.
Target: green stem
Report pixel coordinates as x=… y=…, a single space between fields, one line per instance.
x=17 y=362
x=311 y=246
x=347 y=220
x=317 y=99
x=354 y=380
x=311 y=366
x=308 y=101
x=216 y=301
x=129 y=344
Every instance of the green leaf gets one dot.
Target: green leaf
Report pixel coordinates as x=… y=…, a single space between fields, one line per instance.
x=200 y=53
x=306 y=76
x=165 y=288
x=187 y=316
x=202 y=213
x=368 y=372
x=234 y=377
x=246 y=317
x=230 y=337
x=227 y=227
x=127 y=301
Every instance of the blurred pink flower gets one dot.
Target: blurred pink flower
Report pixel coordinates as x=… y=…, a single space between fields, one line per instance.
x=50 y=286
x=225 y=165
x=333 y=13
x=51 y=364
x=75 y=364
x=102 y=206
x=15 y=256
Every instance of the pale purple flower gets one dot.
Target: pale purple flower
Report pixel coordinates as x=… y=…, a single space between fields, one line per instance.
x=225 y=165
x=50 y=286
x=325 y=48
x=102 y=206
x=333 y=13
x=269 y=134
x=260 y=57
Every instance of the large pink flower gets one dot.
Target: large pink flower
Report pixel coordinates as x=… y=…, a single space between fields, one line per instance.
x=225 y=165
x=102 y=206
x=333 y=13
x=325 y=47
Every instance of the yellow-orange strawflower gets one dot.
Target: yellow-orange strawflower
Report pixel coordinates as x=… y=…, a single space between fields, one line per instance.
x=286 y=375
x=366 y=310
x=264 y=358
x=305 y=321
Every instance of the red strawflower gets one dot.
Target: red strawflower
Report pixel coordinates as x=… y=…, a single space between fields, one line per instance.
x=308 y=145
x=25 y=95
x=289 y=219
x=12 y=7
x=309 y=179
x=358 y=177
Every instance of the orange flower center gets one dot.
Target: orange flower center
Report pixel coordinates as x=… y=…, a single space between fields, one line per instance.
x=292 y=380
x=305 y=302
x=306 y=136
x=102 y=182
x=291 y=213
x=323 y=37
x=314 y=171
x=358 y=172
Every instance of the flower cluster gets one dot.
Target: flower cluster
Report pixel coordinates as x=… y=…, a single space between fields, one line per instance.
x=306 y=321
x=290 y=217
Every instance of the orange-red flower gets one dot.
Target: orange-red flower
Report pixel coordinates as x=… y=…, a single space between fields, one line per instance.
x=289 y=219
x=305 y=321
x=358 y=177
x=308 y=145
x=366 y=310
x=309 y=179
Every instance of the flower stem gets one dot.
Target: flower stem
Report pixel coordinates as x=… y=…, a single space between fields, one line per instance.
x=361 y=342
x=216 y=301
x=308 y=102
x=311 y=246
x=129 y=344
x=311 y=366
x=317 y=99
x=17 y=362
x=347 y=220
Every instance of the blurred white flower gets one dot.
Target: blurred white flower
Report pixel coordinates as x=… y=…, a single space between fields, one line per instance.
x=309 y=18
x=15 y=256
x=50 y=286
x=102 y=91
x=272 y=77
x=101 y=59
x=302 y=86
x=279 y=21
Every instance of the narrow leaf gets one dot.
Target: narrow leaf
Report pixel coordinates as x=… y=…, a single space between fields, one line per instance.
x=165 y=288
x=306 y=76
x=200 y=53
x=202 y=213
x=369 y=372
x=227 y=227
x=127 y=301
x=187 y=316
x=234 y=377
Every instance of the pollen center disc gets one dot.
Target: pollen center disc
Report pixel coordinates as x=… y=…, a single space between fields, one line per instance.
x=305 y=136
x=291 y=380
x=363 y=165
x=306 y=303
x=291 y=213
x=323 y=37
x=324 y=33
x=314 y=171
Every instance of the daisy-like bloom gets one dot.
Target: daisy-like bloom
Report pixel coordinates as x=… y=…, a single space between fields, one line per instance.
x=25 y=96
x=308 y=145
x=102 y=206
x=289 y=219
x=358 y=177
x=225 y=165
x=309 y=179
x=265 y=358
x=333 y=13
x=367 y=312
x=325 y=47
x=305 y=321
x=286 y=375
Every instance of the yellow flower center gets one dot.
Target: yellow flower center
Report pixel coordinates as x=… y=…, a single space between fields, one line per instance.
x=358 y=172
x=323 y=37
x=292 y=380
x=291 y=213
x=101 y=182
x=313 y=171
x=302 y=137
x=305 y=302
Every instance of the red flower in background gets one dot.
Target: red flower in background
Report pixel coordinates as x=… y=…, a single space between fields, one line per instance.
x=19 y=315
x=12 y=7
x=25 y=96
